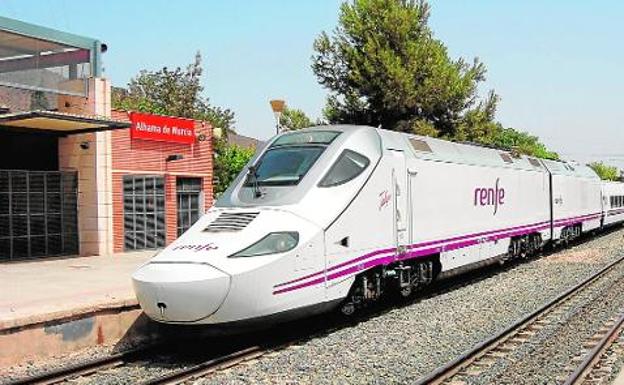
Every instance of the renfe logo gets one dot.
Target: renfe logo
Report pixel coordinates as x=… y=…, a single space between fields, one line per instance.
x=488 y=196
x=196 y=248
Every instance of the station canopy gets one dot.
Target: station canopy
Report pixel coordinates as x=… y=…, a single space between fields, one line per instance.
x=40 y=68
x=58 y=123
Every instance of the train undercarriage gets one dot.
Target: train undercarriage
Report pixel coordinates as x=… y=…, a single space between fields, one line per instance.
x=407 y=277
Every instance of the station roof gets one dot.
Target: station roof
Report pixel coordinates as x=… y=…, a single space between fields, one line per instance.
x=38 y=58
x=58 y=123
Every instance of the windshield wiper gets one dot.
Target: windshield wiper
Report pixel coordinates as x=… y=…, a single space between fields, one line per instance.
x=253 y=173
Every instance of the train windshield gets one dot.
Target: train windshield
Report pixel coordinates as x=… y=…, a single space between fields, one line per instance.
x=289 y=158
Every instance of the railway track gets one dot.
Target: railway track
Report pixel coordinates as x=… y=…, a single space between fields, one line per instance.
x=246 y=352
x=174 y=376
x=591 y=369
x=478 y=360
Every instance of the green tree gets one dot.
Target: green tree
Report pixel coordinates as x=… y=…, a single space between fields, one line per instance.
x=604 y=171
x=383 y=66
x=178 y=92
x=39 y=101
x=522 y=142
x=229 y=161
x=295 y=119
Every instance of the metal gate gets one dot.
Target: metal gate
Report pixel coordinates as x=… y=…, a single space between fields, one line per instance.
x=144 y=212
x=38 y=214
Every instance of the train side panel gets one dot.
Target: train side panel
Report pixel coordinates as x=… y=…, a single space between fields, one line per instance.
x=613 y=203
x=473 y=211
x=362 y=236
x=576 y=197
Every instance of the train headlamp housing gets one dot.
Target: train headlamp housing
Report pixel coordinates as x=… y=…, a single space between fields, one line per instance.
x=272 y=243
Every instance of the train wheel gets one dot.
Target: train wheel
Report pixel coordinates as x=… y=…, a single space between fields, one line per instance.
x=347 y=309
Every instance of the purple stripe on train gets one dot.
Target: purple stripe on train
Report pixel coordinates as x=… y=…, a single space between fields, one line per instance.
x=409 y=255
x=455 y=243
x=417 y=245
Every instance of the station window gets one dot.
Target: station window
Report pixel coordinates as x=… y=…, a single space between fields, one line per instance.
x=189 y=202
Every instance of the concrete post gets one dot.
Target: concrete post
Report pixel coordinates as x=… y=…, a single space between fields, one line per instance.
x=94 y=166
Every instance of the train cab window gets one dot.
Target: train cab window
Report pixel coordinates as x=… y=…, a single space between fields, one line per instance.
x=349 y=165
x=289 y=158
x=284 y=166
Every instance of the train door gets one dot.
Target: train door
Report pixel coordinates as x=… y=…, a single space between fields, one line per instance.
x=411 y=191
x=400 y=200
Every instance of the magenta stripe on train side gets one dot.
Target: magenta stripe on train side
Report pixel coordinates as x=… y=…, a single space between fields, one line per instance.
x=416 y=245
x=498 y=234
x=409 y=255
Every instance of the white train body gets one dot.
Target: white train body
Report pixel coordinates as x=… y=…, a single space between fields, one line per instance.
x=613 y=202
x=325 y=210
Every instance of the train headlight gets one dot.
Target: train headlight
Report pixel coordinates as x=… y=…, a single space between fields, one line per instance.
x=273 y=243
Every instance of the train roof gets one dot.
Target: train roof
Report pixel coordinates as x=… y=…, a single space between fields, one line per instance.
x=434 y=149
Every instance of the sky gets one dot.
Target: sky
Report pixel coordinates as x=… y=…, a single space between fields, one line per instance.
x=557 y=65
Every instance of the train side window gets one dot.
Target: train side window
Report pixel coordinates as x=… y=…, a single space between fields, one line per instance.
x=349 y=165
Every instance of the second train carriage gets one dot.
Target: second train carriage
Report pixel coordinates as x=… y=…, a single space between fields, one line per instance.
x=613 y=202
x=340 y=214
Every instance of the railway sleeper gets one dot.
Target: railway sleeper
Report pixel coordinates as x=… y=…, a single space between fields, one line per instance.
x=404 y=278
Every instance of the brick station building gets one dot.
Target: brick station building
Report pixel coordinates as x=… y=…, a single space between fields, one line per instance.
x=76 y=177
x=160 y=188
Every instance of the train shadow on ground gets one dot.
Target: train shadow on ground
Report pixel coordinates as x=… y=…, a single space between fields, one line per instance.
x=186 y=345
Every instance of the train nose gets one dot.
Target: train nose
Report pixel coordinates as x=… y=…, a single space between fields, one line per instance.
x=180 y=292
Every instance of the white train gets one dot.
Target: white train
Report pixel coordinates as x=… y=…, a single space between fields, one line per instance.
x=335 y=216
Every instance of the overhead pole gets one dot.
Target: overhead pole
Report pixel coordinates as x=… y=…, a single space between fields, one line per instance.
x=277 y=105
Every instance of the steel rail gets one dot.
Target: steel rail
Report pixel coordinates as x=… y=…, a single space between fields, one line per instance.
x=248 y=353
x=594 y=355
x=82 y=368
x=446 y=371
x=207 y=367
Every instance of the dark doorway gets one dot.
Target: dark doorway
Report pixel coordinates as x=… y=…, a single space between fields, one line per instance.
x=189 y=202
x=38 y=214
x=144 y=212
x=28 y=151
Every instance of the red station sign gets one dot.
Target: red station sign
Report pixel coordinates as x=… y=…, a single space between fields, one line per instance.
x=162 y=128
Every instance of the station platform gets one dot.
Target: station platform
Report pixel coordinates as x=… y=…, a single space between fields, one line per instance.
x=55 y=306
